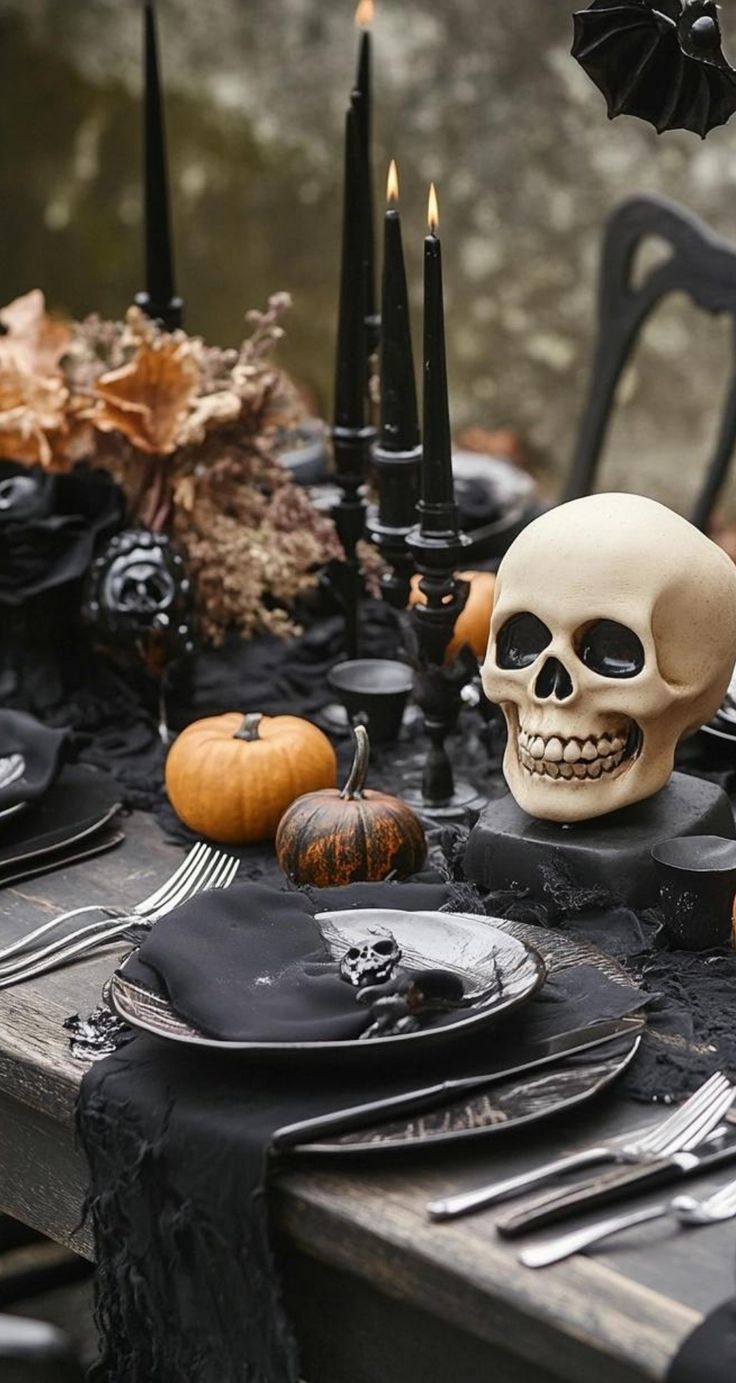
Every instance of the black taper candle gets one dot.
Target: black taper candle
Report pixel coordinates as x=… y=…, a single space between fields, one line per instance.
x=363 y=85
x=350 y=391
x=159 y=300
x=352 y=438
x=437 y=508
x=397 y=455
x=399 y=415
x=437 y=547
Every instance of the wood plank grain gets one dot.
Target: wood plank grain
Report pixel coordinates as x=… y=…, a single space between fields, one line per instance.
x=43 y=1175
x=349 y=1329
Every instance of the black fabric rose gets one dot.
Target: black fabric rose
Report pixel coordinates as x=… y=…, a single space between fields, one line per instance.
x=50 y=526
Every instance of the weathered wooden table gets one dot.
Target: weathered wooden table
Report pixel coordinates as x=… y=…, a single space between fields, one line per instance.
x=377 y=1293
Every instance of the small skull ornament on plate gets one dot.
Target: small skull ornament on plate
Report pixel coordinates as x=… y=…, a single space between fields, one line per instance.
x=613 y=637
x=371 y=961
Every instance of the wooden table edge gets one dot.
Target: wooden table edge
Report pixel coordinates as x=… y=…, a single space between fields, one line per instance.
x=310 y=1212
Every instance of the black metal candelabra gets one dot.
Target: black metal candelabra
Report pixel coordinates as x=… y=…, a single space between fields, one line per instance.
x=438 y=687
x=352 y=450
x=389 y=525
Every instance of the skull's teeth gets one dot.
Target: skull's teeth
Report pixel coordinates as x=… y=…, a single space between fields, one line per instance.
x=558 y=758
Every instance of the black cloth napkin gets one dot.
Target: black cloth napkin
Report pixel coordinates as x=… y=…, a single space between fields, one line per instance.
x=41 y=750
x=178 y=1140
x=249 y=965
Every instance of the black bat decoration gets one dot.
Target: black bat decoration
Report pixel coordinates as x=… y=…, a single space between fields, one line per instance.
x=660 y=60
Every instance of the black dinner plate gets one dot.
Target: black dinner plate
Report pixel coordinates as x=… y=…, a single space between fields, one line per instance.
x=81 y=801
x=500 y=972
x=504 y=1108
x=509 y=1105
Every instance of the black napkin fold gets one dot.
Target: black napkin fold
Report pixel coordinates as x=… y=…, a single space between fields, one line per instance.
x=249 y=964
x=41 y=750
x=177 y=1142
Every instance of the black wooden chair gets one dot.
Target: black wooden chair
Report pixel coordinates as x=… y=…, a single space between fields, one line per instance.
x=701 y=265
x=33 y=1352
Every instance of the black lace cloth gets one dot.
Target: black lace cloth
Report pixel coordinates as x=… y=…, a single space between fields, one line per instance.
x=138 y=1184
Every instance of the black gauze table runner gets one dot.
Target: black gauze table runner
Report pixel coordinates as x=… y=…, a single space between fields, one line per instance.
x=709 y=1354
x=177 y=1142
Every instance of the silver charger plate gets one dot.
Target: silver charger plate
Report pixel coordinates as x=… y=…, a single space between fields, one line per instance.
x=499 y=972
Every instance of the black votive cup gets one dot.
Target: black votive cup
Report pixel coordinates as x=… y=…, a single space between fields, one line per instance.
x=374 y=692
x=697 y=883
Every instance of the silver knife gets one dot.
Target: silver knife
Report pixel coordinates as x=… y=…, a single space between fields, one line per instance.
x=613 y=1186
x=538 y=1054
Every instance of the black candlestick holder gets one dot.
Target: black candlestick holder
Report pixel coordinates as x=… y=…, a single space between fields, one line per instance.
x=397 y=482
x=438 y=688
x=352 y=449
x=169 y=313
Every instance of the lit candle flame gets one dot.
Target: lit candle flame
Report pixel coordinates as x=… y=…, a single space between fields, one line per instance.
x=364 y=14
x=433 y=213
x=392 y=186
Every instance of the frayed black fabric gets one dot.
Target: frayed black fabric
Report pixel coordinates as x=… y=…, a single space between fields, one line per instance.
x=178 y=1141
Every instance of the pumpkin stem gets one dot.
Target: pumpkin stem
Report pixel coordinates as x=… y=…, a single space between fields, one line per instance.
x=361 y=758
x=249 y=727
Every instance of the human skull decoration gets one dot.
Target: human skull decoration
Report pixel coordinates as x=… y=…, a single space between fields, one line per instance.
x=371 y=961
x=613 y=637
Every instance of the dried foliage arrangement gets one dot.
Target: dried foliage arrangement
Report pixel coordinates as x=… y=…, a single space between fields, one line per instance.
x=189 y=432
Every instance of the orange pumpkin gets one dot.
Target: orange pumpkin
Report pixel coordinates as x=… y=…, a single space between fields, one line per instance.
x=231 y=777
x=474 y=621
x=357 y=835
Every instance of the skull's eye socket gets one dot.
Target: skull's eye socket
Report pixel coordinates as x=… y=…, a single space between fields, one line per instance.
x=353 y=953
x=610 y=649
x=521 y=640
x=384 y=948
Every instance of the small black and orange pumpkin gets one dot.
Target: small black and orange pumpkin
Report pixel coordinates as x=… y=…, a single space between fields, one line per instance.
x=330 y=838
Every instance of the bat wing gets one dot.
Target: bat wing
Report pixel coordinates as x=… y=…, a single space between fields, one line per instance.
x=662 y=61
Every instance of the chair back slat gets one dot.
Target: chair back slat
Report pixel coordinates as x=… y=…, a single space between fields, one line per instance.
x=700 y=265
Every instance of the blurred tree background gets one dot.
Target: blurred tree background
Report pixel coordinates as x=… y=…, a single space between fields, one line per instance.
x=484 y=98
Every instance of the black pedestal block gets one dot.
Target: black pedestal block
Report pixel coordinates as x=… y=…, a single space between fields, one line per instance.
x=509 y=850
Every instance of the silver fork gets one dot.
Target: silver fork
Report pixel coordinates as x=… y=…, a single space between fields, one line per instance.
x=194 y=861
x=214 y=870
x=686 y=1209
x=697 y=1116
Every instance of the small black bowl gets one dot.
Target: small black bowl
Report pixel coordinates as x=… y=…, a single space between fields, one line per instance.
x=697 y=883
x=374 y=691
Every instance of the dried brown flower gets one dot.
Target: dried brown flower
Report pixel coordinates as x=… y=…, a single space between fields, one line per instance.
x=34 y=342
x=189 y=432
x=253 y=541
x=32 y=416
x=149 y=399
